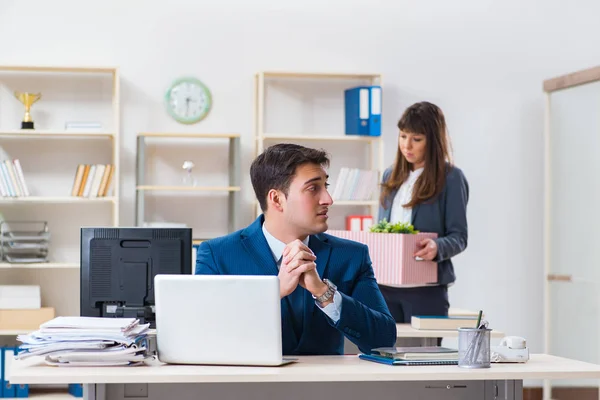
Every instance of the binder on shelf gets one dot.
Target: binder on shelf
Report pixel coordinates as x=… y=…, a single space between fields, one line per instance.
x=367 y=222
x=8 y=354
x=363 y=110
x=353 y=223
x=358 y=223
x=76 y=389
x=21 y=390
x=2 y=372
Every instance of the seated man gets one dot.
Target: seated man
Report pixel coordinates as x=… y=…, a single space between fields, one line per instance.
x=327 y=284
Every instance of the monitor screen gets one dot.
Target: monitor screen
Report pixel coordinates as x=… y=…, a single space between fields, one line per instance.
x=118 y=266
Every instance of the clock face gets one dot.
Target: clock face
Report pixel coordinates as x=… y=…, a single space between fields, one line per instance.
x=188 y=100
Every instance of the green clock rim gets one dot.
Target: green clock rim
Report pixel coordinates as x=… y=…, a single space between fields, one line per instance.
x=194 y=119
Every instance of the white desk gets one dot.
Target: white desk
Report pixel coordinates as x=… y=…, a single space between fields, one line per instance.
x=345 y=377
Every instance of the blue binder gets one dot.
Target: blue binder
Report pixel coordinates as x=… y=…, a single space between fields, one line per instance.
x=363 y=110
x=8 y=354
x=22 y=390
x=76 y=389
x=2 y=372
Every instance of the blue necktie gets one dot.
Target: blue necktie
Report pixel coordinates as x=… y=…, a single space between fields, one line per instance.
x=296 y=299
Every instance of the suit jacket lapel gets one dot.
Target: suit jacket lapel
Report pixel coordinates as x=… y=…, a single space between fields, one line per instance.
x=256 y=245
x=387 y=215
x=318 y=244
x=415 y=210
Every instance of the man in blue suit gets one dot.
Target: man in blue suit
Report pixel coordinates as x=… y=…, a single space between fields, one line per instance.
x=327 y=286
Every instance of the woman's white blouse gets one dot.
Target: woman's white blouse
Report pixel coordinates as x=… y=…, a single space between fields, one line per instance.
x=398 y=212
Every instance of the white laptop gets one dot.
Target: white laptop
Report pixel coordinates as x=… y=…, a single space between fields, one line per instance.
x=218 y=320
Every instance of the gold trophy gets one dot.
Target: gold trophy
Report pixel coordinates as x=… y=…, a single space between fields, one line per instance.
x=27 y=99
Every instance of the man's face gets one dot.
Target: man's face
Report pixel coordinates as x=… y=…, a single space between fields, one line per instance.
x=308 y=200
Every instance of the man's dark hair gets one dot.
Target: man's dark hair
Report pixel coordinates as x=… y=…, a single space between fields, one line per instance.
x=276 y=166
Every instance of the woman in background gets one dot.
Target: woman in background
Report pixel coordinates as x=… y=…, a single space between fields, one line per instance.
x=424 y=188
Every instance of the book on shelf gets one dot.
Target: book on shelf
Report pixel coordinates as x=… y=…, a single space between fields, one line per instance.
x=12 y=180
x=355 y=184
x=92 y=180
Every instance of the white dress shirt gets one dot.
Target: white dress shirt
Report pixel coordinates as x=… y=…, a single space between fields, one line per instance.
x=333 y=310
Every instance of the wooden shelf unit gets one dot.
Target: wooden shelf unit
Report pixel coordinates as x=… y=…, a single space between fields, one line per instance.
x=264 y=138
x=233 y=190
x=59 y=278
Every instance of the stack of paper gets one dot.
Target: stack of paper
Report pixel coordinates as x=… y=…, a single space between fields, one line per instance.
x=80 y=341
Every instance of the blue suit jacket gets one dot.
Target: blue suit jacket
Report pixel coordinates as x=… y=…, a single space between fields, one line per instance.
x=365 y=319
x=445 y=215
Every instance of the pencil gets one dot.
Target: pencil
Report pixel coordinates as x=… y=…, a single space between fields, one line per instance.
x=479 y=319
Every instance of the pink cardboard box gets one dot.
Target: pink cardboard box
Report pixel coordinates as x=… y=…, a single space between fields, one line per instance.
x=392 y=256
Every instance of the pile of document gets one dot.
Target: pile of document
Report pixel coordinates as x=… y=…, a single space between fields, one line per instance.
x=88 y=341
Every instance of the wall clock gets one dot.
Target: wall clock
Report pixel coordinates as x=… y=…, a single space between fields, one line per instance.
x=188 y=100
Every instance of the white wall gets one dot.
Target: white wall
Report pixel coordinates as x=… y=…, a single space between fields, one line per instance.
x=482 y=61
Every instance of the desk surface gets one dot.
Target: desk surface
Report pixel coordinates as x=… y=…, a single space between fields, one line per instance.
x=307 y=369
x=407 y=331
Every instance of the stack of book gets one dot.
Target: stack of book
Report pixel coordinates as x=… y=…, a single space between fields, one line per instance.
x=92 y=180
x=12 y=180
x=426 y=355
x=355 y=184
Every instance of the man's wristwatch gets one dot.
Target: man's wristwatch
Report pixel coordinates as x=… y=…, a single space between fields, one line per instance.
x=331 y=288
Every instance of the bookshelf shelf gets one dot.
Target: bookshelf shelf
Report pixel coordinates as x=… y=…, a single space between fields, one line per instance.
x=318 y=75
x=48 y=265
x=56 y=200
x=58 y=68
x=328 y=137
x=233 y=172
x=190 y=135
x=53 y=134
x=50 y=394
x=355 y=203
x=189 y=188
x=14 y=332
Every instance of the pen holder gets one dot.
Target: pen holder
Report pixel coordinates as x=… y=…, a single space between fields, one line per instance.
x=474 y=347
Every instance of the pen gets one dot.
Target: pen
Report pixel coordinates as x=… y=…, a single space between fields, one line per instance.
x=479 y=319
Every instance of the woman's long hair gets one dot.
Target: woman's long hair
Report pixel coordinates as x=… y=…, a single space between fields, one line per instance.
x=427 y=119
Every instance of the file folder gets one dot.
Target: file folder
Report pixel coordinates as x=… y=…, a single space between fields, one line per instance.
x=8 y=354
x=21 y=390
x=363 y=110
x=76 y=389
x=391 y=361
x=2 y=372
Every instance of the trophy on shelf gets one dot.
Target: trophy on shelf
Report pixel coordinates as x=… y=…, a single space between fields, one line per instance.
x=27 y=99
x=188 y=178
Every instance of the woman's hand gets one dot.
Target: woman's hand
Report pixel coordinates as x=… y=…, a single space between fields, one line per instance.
x=428 y=249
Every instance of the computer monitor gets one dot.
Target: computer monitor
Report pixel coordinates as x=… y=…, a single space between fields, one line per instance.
x=118 y=266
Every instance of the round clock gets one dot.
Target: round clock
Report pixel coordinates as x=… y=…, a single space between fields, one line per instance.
x=188 y=100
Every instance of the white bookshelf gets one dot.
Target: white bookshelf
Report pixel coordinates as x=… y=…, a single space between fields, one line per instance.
x=159 y=154
x=57 y=199
x=49 y=155
x=55 y=134
x=46 y=265
x=368 y=149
